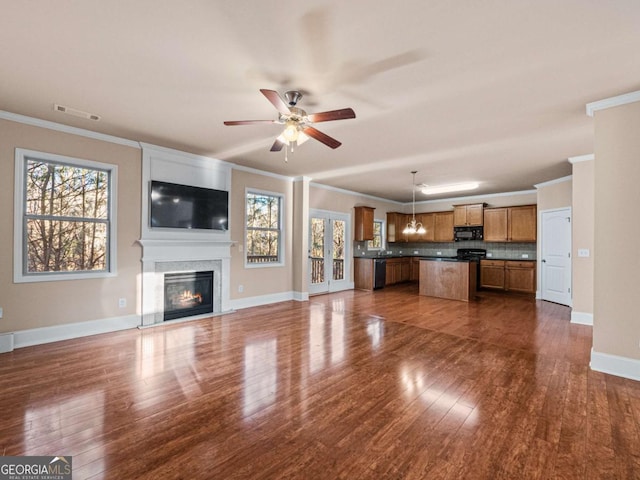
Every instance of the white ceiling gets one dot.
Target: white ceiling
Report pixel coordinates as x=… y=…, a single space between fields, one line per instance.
x=492 y=91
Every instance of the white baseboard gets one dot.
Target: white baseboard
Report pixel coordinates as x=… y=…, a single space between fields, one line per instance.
x=6 y=342
x=240 y=303
x=582 y=318
x=615 y=365
x=301 y=296
x=38 y=336
x=538 y=296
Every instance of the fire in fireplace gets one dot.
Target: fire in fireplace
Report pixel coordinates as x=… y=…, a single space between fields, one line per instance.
x=187 y=294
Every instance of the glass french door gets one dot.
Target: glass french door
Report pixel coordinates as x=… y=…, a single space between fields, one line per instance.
x=329 y=238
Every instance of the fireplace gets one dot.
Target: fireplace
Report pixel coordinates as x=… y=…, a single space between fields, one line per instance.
x=187 y=294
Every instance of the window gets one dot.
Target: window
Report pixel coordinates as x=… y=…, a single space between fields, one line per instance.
x=378 y=239
x=264 y=228
x=64 y=218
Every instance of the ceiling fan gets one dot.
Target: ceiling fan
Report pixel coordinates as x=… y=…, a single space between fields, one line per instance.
x=297 y=122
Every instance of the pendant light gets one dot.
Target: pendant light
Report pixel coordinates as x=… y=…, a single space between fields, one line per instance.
x=413 y=226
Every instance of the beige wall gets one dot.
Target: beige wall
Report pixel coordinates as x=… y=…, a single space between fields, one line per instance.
x=41 y=304
x=616 y=328
x=583 y=235
x=257 y=281
x=332 y=200
x=555 y=195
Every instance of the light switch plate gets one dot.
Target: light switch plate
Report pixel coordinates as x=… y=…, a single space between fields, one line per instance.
x=583 y=252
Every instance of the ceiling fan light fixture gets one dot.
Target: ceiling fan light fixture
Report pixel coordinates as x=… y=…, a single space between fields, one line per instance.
x=458 y=187
x=291 y=132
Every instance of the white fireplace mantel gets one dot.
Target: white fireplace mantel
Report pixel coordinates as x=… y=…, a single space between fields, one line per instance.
x=172 y=256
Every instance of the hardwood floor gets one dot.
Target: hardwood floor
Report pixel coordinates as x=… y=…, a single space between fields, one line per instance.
x=352 y=385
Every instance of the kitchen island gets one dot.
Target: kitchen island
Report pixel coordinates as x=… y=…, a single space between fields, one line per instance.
x=448 y=278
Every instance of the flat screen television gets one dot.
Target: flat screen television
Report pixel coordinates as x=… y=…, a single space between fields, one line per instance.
x=184 y=206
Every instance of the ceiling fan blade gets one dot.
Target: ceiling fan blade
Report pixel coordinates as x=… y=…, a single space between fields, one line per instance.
x=342 y=114
x=276 y=100
x=247 y=122
x=322 y=137
x=277 y=146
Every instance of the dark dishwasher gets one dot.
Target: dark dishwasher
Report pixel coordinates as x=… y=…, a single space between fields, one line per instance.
x=379 y=272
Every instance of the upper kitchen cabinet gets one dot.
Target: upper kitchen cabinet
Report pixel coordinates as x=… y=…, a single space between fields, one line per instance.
x=510 y=224
x=443 y=222
x=363 y=224
x=468 y=215
x=428 y=222
x=396 y=223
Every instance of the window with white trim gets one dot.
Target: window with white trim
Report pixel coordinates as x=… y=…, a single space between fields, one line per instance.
x=263 y=240
x=64 y=218
x=378 y=238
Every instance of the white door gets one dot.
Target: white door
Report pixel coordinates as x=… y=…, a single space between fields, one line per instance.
x=328 y=251
x=556 y=256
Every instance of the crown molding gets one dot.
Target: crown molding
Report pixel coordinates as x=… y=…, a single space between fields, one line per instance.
x=553 y=182
x=581 y=158
x=593 y=107
x=264 y=173
x=350 y=192
x=59 y=127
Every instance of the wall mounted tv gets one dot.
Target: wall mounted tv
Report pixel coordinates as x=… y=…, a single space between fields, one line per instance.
x=185 y=206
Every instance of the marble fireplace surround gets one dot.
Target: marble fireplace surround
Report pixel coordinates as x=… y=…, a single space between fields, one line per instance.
x=174 y=256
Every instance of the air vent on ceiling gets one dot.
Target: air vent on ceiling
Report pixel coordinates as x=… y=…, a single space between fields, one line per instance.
x=75 y=112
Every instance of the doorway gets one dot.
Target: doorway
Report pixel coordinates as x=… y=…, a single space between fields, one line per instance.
x=555 y=262
x=329 y=234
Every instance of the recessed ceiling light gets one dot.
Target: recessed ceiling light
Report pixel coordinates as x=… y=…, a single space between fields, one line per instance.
x=458 y=187
x=75 y=112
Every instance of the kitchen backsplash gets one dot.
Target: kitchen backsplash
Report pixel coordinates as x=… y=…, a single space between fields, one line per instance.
x=448 y=249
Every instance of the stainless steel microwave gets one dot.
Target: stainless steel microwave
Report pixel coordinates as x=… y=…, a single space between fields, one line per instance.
x=467 y=233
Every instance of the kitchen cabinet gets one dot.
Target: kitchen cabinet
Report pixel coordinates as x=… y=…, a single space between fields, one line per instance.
x=468 y=215
x=396 y=223
x=428 y=222
x=510 y=224
x=520 y=276
x=414 y=276
x=363 y=224
x=443 y=223
x=363 y=273
x=508 y=275
x=492 y=274
x=398 y=270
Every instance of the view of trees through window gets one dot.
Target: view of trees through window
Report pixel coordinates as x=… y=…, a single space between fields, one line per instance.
x=376 y=243
x=67 y=217
x=263 y=228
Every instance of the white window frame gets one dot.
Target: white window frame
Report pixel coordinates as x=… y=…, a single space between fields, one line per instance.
x=281 y=243
x=382 y=235
x=19 y=235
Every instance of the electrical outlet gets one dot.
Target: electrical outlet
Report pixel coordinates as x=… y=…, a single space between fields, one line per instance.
x=240 y=248
x=358 y=247
x=240 y=288
x=525 y=255
x=122 y=302
x=1 y=313
x=438 y=253
x=489 y=254
x=415 y=252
